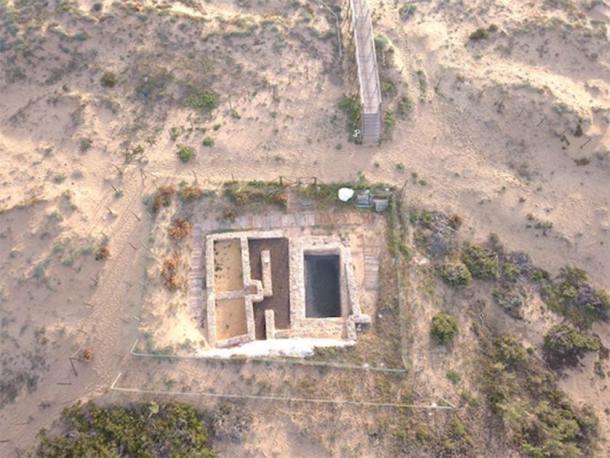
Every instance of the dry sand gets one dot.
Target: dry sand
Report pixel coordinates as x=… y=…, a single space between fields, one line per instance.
x=492 y=136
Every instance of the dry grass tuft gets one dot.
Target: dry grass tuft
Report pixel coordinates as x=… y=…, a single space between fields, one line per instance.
x=169 y=273
x=179 y=229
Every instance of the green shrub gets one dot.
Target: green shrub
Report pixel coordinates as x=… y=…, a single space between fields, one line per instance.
x=109 y=79
x=482 y=33
x=510 y=271
x=455 y=274
x=563 y=344
x=482 y=262
x=509 y=351
x=185 y=153
x=454 y=377
x=144 y=430
x=572 y=295
x=443 y=328
x=388 y=89
x=350 y=106
x=388 y=121
x=510 y=298
x=208 y=141
x=407 y=11
x=205 y=102
x=404 y=107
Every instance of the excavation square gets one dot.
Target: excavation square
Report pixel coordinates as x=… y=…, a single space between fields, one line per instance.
x=322 y=291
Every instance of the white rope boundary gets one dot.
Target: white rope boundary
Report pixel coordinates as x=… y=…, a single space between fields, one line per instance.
x=279 y=361
x=207 y=394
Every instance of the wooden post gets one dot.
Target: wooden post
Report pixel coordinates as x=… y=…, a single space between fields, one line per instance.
x=73 y=368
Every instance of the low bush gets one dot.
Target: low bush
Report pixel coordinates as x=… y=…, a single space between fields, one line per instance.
x=109 y=79
x=350 y=106
x=482 y=262
x=162 y=197
x=436 y=233
x=144 y=430
x=453 y=377
x=179 y=229
x=185 y=153
x=444 y=328
x=455 y=274
x=102 y=252
x=205 y=101
x=483 y=33
x=510 y=298
x=407 y=11
x=404 y=107
x=169 y=273
x=564 y=345
x=571 y=295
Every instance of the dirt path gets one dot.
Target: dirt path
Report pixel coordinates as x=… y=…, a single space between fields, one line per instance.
x=107 y=331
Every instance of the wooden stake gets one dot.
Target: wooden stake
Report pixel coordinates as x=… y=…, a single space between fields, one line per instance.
x=73 y=368
x=586 y=143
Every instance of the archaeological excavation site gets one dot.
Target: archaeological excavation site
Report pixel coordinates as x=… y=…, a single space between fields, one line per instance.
x=304 y=228
x=283 y=281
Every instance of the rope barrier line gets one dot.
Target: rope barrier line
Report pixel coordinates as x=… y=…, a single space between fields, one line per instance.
x=245 y=359
x=207 y=394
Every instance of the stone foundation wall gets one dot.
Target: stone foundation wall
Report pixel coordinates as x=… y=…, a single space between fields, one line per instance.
x=343 y=327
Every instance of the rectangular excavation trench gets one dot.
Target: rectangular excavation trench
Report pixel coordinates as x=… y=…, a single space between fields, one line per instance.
x=230 y=318
x=228 y=274
x=279 y=301
x=322 y=288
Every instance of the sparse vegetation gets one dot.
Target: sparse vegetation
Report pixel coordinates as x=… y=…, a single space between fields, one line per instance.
x=536 y=415
x=190 y=193
x=242 y=194
x=162 y=197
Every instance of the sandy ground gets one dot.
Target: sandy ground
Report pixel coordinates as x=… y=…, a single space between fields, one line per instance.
x=492 y=136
